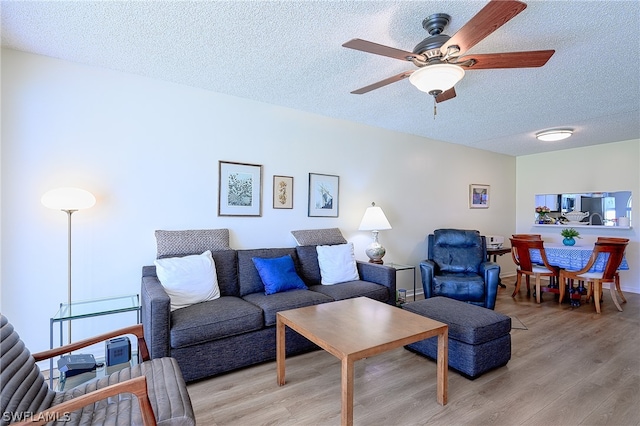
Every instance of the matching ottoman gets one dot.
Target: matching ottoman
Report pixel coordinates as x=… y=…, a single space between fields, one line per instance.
x=479 y=338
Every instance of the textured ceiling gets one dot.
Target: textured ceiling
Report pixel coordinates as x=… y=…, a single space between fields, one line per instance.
x=289 y=53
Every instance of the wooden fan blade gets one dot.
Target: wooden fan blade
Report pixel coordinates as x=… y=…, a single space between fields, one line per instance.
x=534 y=58
x=379 y=49
x=446 y=95
x=494 y=15
x=382 y=83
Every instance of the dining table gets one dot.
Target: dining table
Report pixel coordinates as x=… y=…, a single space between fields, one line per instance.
x=574 y=258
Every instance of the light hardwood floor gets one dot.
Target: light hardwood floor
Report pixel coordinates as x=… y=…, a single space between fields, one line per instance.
x=568 y=367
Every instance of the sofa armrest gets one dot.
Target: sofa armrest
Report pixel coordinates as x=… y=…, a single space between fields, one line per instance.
x=427 y=271
x=379 y=274
x=155 y=311
x=491 y=273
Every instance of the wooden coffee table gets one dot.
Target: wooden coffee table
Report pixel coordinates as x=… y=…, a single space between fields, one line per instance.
x=358 y=328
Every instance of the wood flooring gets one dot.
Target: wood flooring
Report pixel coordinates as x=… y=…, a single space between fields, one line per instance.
x=568 y=367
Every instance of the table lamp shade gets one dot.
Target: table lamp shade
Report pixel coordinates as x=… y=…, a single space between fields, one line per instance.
x=68 y=199
x=374 y=220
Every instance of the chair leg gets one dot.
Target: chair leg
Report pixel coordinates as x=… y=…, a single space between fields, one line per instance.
x=612 y=289
x=538 y=296
x=617 y=277
x=597 y=294
x=561 y=287
x=518 y=279
x=528 y=286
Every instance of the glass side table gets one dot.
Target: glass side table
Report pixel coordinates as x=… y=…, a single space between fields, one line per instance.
x=89 y=309
x=401 y=267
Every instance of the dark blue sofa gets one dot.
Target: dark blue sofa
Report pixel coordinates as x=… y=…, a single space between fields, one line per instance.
x=238 y=329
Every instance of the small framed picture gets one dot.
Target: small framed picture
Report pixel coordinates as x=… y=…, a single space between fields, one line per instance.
x=239 y=189
x=323 y=195
x=478 y=196
x=282 y=192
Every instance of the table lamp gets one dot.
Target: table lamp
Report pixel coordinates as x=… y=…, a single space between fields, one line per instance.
x=68 y=200
x=374 y=220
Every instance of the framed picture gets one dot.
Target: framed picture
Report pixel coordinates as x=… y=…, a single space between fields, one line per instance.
x=282 y=192
x=478 y=196
x=239 y=189
x=323 y=195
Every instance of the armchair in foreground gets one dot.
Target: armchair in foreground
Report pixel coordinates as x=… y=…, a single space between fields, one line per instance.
x=152 y=392
x=457 y=267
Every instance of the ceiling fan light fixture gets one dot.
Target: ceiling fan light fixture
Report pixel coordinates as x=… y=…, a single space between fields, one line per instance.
x=554 y=135
x=436 y=77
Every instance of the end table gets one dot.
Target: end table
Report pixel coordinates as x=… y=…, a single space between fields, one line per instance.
x=401 y=267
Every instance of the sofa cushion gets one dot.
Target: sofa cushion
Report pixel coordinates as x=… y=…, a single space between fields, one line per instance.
x=278 y=274
x=215 y=319
x=227 y=271
x=273 y=303
x=468 y=323
x=249 y=280
x=309 y=267
x=314 y=237
x=337 y=264
x=167 y=390
x=189 y=279
x=467 y=287
x=352 y=289
x=180 y=243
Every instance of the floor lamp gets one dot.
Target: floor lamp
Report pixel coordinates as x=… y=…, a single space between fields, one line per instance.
x=69 y=200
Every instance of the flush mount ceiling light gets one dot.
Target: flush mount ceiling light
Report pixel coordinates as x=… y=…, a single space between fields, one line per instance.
x=554 y=135
x=437 y=78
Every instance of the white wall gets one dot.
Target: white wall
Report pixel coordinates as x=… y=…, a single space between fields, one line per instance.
x=608 y=167
x=149 y=151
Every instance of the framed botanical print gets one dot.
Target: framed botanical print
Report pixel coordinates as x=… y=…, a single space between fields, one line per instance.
x=478 y=196
x=324 y=193
x=282 y=192
x=239 y=189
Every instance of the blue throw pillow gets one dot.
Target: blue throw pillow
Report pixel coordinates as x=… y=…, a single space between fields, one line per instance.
x=278 y=274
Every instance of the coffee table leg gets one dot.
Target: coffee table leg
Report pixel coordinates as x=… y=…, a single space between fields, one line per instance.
x=280 y=350
x=442 y=366
x=347 y=392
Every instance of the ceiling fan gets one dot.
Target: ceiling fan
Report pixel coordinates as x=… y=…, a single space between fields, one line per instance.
x=439 y=57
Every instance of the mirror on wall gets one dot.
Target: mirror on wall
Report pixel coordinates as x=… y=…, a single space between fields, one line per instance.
x=604 y=208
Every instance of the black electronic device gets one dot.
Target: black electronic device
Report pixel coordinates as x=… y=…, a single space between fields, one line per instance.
x=117 y=351
x=72 y=365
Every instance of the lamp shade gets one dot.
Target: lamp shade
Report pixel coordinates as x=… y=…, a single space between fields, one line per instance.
x=374 y=219
x=436 y=77
x=68 y=199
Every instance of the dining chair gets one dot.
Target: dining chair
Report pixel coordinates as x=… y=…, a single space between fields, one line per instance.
x=515 y=258
x=526 y=268
x=617 y=275
x=615 y=249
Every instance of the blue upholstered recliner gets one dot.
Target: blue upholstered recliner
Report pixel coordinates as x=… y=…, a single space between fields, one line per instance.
x=457 y=267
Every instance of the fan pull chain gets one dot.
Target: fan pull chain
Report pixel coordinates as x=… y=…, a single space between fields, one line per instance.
x=435 y=111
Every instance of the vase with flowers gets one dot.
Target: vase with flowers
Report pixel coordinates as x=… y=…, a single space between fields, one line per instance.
x=542 y=212
x=569 y=235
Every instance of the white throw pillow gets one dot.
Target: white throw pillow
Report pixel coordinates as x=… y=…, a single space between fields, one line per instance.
x=189 y=279
x=337 y=263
